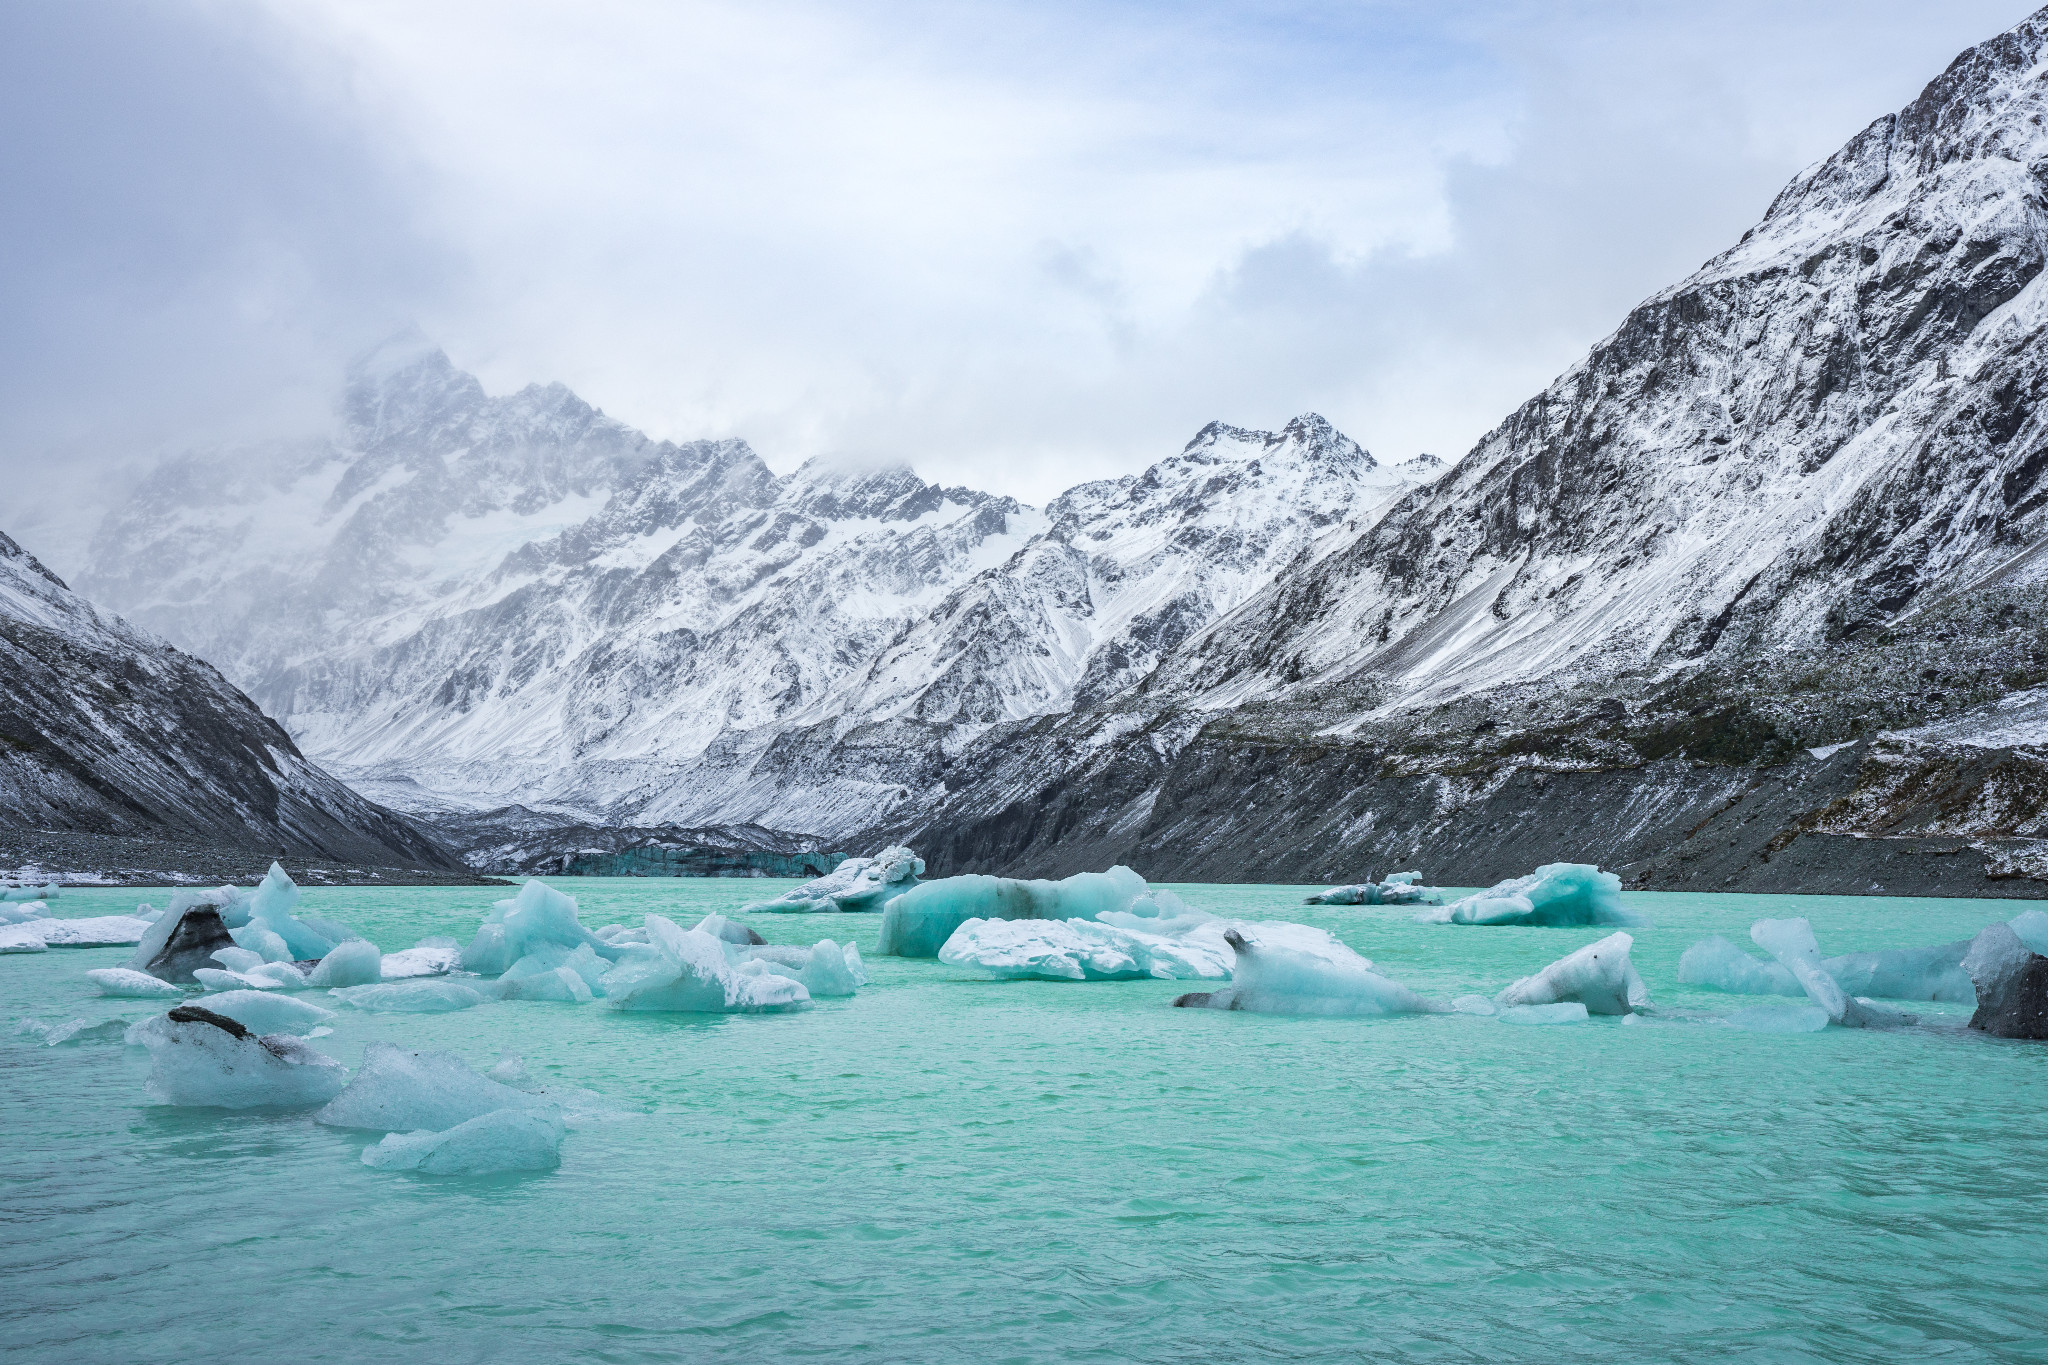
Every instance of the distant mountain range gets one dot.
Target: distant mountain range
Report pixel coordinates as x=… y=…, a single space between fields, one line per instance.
x=1751 y=596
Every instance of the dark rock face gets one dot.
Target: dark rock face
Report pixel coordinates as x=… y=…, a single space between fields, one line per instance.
x=193 y=940
x=106 y=729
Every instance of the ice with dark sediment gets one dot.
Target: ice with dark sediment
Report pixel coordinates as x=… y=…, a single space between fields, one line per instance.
x=1555 y=894
x=2011 y=981
x=267 y=1011
x=856 y=885
x=1276 y=979
x=1399 y=889
x=1599 y=976
x=180 y=941
x=201 y=1058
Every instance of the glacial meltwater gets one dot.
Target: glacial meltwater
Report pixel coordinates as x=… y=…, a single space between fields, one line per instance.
x=950 y=1168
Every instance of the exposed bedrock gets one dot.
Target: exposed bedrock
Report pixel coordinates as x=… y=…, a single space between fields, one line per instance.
x=1222 y=809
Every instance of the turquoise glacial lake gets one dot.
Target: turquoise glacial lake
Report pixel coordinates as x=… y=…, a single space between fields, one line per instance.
x=948 y=1168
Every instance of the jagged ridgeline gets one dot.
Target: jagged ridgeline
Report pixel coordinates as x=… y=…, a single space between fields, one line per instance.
x=1757 y=577
x=117 y=742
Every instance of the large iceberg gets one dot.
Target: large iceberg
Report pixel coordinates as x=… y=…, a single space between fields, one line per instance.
x=2011 y=983
x=399 y=1090
x=858 y=884
x=538 y=916
x=1275 y=979
x=1791 y=941
x=1555 y=894
x=1598 y=976
x=918 y=923
x=198 y=1057
x=689 y=971
x=490 y=1144
x=1934 y=972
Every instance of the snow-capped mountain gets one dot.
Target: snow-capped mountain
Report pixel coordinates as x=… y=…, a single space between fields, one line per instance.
x=107 y=730
x=1831 y=423
x=488 y=600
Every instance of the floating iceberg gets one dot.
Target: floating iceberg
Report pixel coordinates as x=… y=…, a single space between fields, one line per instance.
x=181 y=940
x=131 y=984
x=23 y=894
x=858 y=884
x=429 y=957
x=539 y=915
x=2011 y=983
x=198 y=1057
x=39 y=932
x=1399 y=889
x=918 y=923
x=1598 y=976
x=1563 y=1012
x=398 y=1090
x=1930 y=973
x=270 y=910
x=20 y=938
x=267 y=976
x=1274 y=979
x=552 y=972
x=267 y=1012
x=22 y=912
x=353 y=962
x=1791 y=941
x=429 y=995
x=687 y=971
x=489 y=1144
x=1556 y=894
x=1087 y=950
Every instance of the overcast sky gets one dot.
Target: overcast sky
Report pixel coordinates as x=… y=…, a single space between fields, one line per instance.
x=1018 y=244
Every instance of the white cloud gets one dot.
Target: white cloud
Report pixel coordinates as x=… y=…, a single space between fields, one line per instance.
x=1018 y=244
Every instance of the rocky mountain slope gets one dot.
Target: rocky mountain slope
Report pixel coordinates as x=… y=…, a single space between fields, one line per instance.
x=481 y=601
x=106 y=730
x=1738 y=559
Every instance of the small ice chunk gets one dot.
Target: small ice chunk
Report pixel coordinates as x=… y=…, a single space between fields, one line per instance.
x=1554 y=894
x=538 y=915
x=1474 y=1004
x=267 y=1012
x=686 y=971
x=23 y=912
x=1565 y=1012
x=352 y=962
x=2032 y=928
x=1598 y=976
x=828 y=973
x=1397 y=890
x=398 y=1090
x=20 y=938
x=510 y=1070
x=271 y=907
x=221 y=979
x=1273 y=979
x=1780 y=1019
x=261 y=941
x=556 y=984
x=429 y=995
x=489 y=1144
x=239 y=959
x=429 y=957
x=127 y=982
x=198 y=1057
x=2011 y=984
